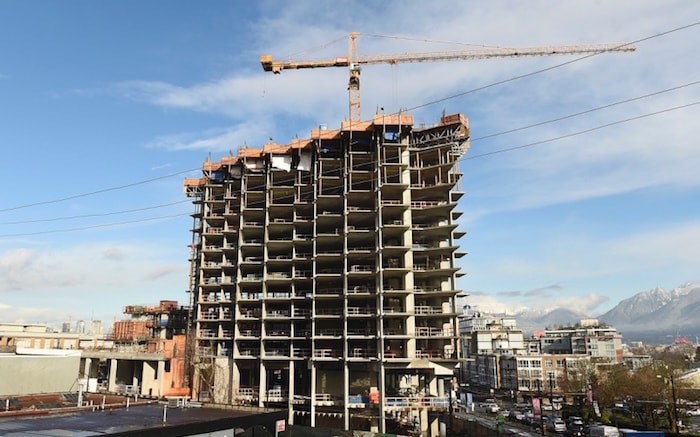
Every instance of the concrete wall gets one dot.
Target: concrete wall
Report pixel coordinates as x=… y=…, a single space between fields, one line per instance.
x=22 y=374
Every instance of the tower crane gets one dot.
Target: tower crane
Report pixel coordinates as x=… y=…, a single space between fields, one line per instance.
x=354 y=62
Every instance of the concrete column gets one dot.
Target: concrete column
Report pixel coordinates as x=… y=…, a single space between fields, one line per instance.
x=313 y=394
x=262 y=393
x=435 y=427
x=160 y=377
x=86 y=369
x=112 y=384
x=346 y=395
x=235 y=379
x=137 y=372
x=148 y=376
x=382 y=396
x=424 y=423
x=290 y=397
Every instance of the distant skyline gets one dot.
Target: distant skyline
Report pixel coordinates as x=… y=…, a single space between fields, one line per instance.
x=106 y=106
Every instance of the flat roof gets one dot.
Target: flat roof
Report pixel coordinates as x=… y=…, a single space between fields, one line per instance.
x=143 y=420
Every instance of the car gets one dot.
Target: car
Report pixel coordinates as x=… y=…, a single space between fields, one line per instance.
x=695 y=412
x=488 y=407
x=555 y=424
x=574 y=421
x=516 y=415
x=575 y=430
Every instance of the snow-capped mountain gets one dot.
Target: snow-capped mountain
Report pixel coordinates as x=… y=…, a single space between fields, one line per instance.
x=641 y=304
x=532 y=320
x=658 y=314
x=654 y=315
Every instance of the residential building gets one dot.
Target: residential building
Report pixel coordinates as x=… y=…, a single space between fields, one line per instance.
x=588 y=338
x=486 y=338
x=324 y=271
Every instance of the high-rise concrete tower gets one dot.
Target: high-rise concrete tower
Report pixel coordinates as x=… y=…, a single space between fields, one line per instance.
x=323 y=275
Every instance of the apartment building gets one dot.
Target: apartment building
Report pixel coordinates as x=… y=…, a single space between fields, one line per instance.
x=587 y=338
x=324 y=272
x=486 y=339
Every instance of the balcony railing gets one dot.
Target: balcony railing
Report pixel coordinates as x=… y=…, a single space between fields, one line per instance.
x=424 y=331
x=427 y=310
x=328 y=353
x=329 y=311
x=417 y=402
x=362 y=353
x=364 y=311
x=250 y=333
x=276 y=395
x=301 y=352
x=277 y=313
x=427 y=204
x=363 y=331
x=246 y=393
x=330 y=332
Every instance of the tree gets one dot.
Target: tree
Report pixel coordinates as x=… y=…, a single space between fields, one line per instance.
x=641 y=392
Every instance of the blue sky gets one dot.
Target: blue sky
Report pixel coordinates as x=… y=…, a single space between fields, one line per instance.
x=95 y=96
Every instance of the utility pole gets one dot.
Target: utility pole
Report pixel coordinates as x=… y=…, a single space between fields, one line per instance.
x=674 y=411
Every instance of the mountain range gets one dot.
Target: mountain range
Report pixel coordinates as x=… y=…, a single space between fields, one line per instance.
x=654 y=316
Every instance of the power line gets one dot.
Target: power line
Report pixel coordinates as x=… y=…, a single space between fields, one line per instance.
x=588 y=111
x=581 y=132
x=465 y=158
x=92 y=193
x=84 y=228
x=368 y=163
x=543 y=70
x=409 y=109
x=54 y=219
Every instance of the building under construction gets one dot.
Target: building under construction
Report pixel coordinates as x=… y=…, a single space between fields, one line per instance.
x=324 y=275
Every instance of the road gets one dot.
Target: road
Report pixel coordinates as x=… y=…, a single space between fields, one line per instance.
x=490 y=421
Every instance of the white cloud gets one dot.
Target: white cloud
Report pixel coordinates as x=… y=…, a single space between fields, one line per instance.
x=583 y=256
x=677 y=247
x=615 y=160
x=25 y=314
x=586 y=304
x=221 y=140
x=89 y=268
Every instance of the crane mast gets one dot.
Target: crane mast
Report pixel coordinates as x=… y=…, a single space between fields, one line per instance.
x=354 y=62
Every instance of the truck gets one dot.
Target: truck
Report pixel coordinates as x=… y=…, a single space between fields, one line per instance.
x=635 y=433
x=603 y=431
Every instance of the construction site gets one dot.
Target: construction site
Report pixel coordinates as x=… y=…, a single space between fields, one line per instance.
x=324 y=275
x=323 y=272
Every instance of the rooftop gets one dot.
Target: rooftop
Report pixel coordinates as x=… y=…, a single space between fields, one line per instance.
x=143 y=420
